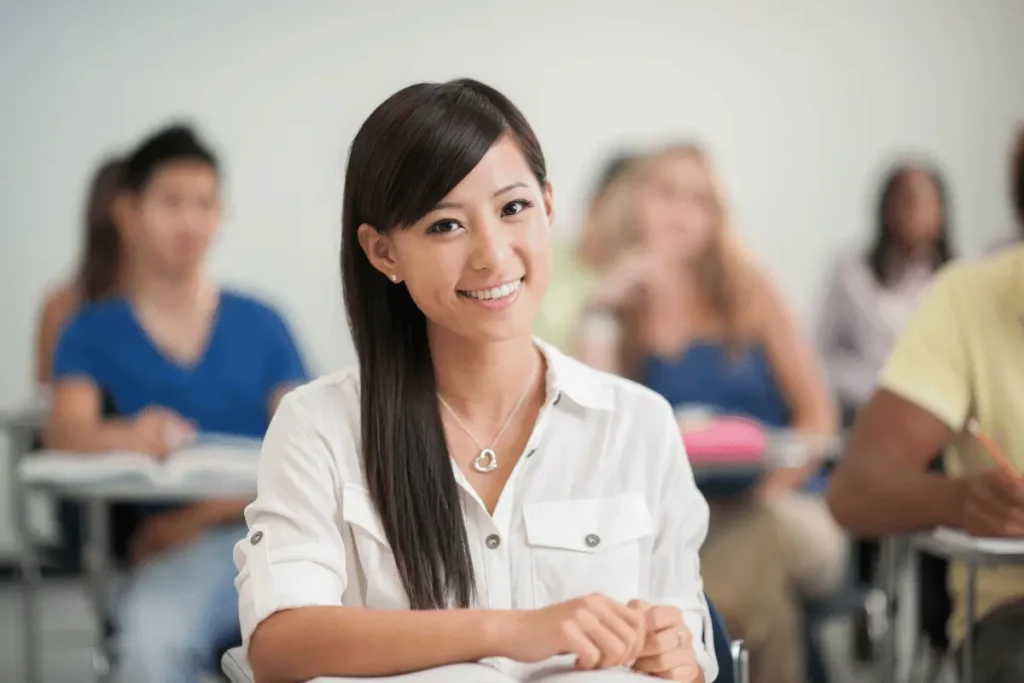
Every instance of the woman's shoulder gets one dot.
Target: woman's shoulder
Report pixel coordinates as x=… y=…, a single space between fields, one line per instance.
x=625 y=399
x=326 y=397
x=61 y=302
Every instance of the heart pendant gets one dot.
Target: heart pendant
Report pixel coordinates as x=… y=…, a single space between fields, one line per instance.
x=486 y=462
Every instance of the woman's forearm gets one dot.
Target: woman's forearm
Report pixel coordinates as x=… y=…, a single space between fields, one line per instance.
x=301 y=644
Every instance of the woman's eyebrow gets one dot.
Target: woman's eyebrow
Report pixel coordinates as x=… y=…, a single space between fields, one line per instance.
x=456 y=205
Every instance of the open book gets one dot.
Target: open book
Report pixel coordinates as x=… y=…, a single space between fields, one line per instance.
x=206 y=461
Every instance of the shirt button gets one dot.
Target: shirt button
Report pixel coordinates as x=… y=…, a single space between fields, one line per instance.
x=493 y=541
x=256 y=538
x=592 y=540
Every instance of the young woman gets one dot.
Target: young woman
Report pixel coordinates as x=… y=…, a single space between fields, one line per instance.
x=468 y=493
x=872 y=295
x=686 y=313
x=100 y=271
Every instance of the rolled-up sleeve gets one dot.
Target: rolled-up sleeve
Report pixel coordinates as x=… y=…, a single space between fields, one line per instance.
x=682 y=527
x=293 y=555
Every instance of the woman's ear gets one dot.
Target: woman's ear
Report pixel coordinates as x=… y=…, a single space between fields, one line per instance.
x=378 y=250
x=549 y=202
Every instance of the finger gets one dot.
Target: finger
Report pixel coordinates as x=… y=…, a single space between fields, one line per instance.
x=1004 y=486
x=661 y=617
x=682 y=674
x=587 y=653
x=612 y=648
x=995 y=515
x=663 y=641
x=659 y=664
x=628 y=624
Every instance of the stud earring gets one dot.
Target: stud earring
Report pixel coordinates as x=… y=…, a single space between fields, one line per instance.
x=394 y=278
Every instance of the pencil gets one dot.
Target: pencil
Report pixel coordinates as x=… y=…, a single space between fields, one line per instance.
x=992 y=448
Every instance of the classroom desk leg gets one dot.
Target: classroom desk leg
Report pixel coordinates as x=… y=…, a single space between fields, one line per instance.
x=891 y=548
x=968 y=654
x=28 y=560
x=98 y=568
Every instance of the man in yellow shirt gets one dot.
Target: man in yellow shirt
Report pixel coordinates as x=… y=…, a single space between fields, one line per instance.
x=961 y=357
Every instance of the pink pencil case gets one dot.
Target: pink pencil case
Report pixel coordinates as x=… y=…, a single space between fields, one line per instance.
x=726 y=440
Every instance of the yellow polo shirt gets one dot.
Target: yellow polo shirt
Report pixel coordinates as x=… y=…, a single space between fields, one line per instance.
x=962 y=356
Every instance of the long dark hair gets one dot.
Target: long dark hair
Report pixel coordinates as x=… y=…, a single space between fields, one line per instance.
x=100 y=267
x=886 y=234
x=411 y=152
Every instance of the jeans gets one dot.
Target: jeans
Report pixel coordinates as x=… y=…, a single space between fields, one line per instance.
x=179 y=612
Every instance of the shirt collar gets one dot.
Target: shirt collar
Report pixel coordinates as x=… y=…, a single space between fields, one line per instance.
x=581 y=384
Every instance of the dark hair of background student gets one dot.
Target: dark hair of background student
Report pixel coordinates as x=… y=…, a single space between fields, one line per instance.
x=99 y=272
x=886 y=239
x=411 y=152
x=172 y=144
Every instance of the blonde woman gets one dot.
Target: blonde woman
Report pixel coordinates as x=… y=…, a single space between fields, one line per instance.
x=685 y=312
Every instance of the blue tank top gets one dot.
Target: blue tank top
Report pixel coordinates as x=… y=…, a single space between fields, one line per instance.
x=706 y=374
x=730 y=383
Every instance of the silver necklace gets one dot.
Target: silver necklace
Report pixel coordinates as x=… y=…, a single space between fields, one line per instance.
x=487 y=460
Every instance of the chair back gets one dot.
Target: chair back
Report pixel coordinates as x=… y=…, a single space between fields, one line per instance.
x=723 y=647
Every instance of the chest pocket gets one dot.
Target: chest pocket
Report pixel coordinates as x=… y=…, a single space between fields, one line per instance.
x=382 y=586
x=596 y=545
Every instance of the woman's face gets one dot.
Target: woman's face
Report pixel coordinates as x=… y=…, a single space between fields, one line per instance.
x=480 y=262
x=916 y=211
x=675 y=207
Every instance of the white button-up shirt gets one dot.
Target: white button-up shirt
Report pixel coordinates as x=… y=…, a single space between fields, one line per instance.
x=602 y=500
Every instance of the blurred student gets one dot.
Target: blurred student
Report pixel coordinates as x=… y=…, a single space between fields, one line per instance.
x=872 y=295
x=575 y=268
x=870 y=299
x=957 y=361
x=175 y=354
x=687 y=314
x=100 y=271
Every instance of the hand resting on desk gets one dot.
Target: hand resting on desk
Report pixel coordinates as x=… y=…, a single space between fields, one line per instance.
x=158 y=432
x=668 y=651
x=993 y=504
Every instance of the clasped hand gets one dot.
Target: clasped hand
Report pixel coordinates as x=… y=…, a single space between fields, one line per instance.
x=603 y=633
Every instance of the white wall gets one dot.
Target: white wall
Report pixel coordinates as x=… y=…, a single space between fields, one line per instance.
x=801 y=104
x=801 y=101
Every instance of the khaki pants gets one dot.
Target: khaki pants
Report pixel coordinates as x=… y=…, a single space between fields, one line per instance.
x=762 y=557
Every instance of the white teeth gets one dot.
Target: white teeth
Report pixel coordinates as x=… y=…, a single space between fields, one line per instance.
x=501 y=292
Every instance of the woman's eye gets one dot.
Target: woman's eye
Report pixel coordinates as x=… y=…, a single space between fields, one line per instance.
x=443 y=227
x=515 y=207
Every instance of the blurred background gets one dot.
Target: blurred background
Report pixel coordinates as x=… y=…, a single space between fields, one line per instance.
x=803 y=105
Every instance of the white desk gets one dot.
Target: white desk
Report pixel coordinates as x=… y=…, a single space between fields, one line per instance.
x=974 y=553
x=97 y=494
x=556 y=670
x=22 y=423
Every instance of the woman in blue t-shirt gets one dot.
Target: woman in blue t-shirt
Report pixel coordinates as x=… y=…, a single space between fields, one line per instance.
x=687 y=313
